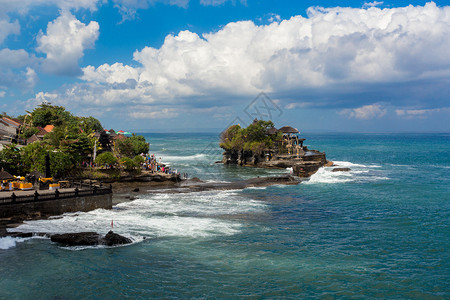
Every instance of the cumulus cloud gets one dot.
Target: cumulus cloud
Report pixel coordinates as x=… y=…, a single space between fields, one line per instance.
x=151 y=113
x=365 y=112
x=15 y=66
x=7 y=28
x=15 y=58
x=65 y=42
x=333 y=47
x=330 y=58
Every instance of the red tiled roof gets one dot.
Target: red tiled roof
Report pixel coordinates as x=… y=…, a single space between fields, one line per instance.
x=49 y=128
x=41 y=132
x=12 y=122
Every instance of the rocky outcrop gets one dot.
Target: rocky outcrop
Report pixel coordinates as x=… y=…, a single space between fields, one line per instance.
x=112 y=239
x=77 y=239
x=304 y=165
x=341 y=170
x=89 y=239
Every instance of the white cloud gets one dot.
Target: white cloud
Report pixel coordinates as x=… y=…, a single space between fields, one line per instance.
x=116 y=73
x=372 y=4
x=7 y=28
x=332 y=47
x=14 y=69
x=31 y=77
x=336 y=49
x=420 y=113
x=15 y=58
x=151 y=113
x=365 y=112
x=128 y=8
x=218 y=2
x=23 y=6
x=65 y=42
x=2 y=94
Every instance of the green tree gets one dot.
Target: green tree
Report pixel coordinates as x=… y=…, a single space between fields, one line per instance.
x=128 y=163
x=132 y=146
x=89 y=124
x=61 y=164
x=10 y=159
x=27 y=132
x=139 y=159
x=33 y=156
x=46 y=114
x=253 y=138
x=106 y=158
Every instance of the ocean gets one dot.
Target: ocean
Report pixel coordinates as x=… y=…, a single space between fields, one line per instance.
x=378 y=231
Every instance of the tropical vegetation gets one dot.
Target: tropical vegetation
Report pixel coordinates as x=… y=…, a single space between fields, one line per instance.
x=70 y=143
x=254 y=138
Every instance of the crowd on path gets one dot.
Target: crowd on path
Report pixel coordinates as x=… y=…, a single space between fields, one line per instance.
x=151 y=163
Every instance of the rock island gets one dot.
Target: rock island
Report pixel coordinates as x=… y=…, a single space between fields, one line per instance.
x=262 y=145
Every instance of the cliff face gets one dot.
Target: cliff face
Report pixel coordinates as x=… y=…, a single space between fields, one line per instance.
x=304 y=164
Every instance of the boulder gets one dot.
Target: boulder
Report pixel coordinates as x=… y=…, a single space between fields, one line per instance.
x=77 y=239
x=341 y=170
x=89 y=239
x=112 y=239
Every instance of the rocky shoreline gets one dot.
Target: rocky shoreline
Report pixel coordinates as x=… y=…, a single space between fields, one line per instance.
x=129 y=190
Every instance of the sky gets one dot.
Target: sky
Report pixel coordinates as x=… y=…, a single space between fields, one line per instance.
x=201 y=65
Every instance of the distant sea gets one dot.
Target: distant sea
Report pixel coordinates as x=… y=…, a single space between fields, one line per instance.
x=378 y=231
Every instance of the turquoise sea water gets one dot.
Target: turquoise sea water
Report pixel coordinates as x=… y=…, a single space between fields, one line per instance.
x=379 y=231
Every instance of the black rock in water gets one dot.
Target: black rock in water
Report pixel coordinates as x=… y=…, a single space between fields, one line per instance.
x=89 y=239
x=341 y=170
x=112 y=239
x=77 y=239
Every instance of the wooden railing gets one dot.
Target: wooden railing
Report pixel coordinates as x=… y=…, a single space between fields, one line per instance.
x=91 y=191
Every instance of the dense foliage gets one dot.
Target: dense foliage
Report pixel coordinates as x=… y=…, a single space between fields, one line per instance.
x=253 y=138
x=106 y=158
x=132 y=146
x=69 y=144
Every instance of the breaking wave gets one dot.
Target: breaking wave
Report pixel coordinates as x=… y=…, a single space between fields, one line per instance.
x=191 y=215
x=357 y=173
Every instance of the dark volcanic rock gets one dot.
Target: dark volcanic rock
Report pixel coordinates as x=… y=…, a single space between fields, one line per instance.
x=77 y=239
x=136 y=190
x=89 y=239
x=112 y=239
x=341 y=170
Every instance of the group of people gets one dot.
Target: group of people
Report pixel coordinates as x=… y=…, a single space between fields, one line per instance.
x=155 y=165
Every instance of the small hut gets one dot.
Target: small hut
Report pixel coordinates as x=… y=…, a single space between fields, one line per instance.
x=5 y=176
x=291 y=140
x=272 y=131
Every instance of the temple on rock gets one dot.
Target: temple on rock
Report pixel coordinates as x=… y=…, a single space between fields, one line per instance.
x=262 y=145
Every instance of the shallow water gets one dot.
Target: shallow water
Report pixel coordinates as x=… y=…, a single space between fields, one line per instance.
x=380 y=230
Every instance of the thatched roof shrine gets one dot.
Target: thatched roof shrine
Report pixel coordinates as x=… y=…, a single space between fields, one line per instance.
x=5 y=176
x=288 y=129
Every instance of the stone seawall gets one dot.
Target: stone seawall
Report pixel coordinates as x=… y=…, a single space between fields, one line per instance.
x=56 y=206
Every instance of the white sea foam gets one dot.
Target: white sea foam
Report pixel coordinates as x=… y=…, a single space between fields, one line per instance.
x=174 y=158
x=8 y=242
x=358 y=173
x=191 y=215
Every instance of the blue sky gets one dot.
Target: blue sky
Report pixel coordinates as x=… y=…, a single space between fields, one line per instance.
x=198 y=65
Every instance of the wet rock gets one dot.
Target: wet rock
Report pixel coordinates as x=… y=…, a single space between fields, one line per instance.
x=77 y=239
x=89 y=239
x=341 y=170
x=21 y=234
x=112 y=239
x=136 y=190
